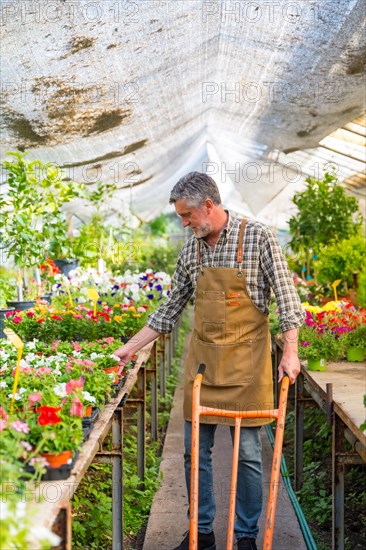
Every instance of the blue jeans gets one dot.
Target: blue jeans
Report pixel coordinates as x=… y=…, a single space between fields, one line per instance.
x=249 y=487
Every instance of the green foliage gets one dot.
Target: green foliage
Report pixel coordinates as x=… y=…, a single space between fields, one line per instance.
x=274 y=320
x=7 y=286
x=340 y=260
x=318 y=345
x=361 y=291
x=32 y=215
x=325 y=214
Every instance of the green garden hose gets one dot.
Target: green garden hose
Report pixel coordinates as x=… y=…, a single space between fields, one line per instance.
x=308 y=537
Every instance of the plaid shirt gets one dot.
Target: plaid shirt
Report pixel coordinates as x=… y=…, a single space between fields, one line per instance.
x=263 y=262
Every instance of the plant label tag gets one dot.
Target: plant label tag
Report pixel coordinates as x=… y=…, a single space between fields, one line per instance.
x=14 y=338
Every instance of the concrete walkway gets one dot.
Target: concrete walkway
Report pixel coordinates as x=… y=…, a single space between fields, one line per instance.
x=168 y=517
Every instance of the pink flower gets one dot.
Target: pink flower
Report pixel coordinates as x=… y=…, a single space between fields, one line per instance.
x=3 y=419
x=34 y=397
x=17 y=319
x=305 y=344
x=38 y=460
x=78 y=316
x=9 y=313
x=88 y=363
x=141 y=310
x=73 y=385
x=20 y=426
x=55 y=345
x=76 y=346
x=109 y=340
x=77 y=408
x=43 y=370
x=27 y=446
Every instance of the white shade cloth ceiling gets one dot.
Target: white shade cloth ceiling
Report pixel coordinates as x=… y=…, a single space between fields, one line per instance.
x=142 y=92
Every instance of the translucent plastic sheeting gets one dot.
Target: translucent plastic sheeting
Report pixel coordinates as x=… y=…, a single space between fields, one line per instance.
x=142 y=92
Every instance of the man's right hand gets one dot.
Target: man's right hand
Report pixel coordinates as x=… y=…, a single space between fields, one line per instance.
x=125 y=353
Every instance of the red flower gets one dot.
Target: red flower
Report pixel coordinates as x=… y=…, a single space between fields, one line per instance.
x=104 y=315
x=48 y=415
x=56 y=317
x=30 y=314
x=40 y=320
x=17 y=319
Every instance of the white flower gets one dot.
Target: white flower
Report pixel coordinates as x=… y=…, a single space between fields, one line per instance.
x=88 y=397
x=95 y=355
x=3 y=384
x=23 y=363
x=60 y=389
x=39 y=534
x=115 y=357
x=32 y=344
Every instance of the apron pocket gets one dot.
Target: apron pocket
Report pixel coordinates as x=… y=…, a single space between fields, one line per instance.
x=226 y=365
x=213 y=305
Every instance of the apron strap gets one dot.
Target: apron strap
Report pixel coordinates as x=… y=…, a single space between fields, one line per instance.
x=239 y=257
x=199 y=255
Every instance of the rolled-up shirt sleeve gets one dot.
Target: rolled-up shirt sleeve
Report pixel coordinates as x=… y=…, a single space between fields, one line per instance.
x=274 y=265
x=165 y=316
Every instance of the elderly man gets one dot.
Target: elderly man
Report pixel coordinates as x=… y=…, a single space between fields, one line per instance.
x=229 y=265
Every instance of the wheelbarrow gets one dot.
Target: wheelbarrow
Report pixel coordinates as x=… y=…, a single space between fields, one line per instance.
x=197 y=411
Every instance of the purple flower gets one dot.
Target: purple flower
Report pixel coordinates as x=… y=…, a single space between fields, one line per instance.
x=158 y=287
x=150 y=296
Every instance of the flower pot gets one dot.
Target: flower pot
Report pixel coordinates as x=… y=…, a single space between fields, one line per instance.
x=24 y=304
x=65 y=266
x=2 y=317
x=88 y=410
x=55 y=460
x=317 y=364
x=115 y=369
x=355 y=354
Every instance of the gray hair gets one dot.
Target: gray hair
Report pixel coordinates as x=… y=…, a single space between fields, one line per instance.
x=195 y=188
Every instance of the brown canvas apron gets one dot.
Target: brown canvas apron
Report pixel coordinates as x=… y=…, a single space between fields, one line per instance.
x=231 y=337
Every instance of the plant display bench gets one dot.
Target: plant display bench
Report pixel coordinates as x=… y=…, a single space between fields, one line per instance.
x=338 y=391
x=51 y=499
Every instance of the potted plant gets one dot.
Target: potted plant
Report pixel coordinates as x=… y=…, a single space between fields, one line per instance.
x=317 y=346
x=32 y=214
x=355 y=343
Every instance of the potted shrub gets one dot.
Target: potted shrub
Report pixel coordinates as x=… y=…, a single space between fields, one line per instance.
x=355 y=343
x=31 y=210
x=317 y=346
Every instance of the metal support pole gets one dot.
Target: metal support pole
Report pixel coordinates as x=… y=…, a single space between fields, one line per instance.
x=154 y=396
x=299 y=432
x=168 y=349
x=141 y=423
x=338 y=468
x=117 y=480
x=162 y=377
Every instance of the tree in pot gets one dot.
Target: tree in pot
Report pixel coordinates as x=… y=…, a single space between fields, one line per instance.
x=31 y=210
x=326 y=214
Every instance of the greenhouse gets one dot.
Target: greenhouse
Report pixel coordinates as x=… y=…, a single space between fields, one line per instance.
x=183 y=275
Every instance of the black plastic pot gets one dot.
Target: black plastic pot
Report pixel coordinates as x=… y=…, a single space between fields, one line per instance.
x=65 y=266
x=24 y=304
x=2 y=318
